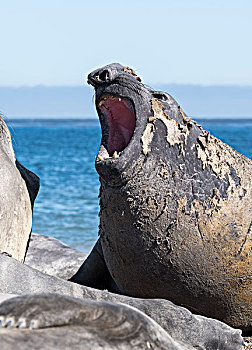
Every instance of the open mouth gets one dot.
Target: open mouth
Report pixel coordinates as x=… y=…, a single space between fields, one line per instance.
x=118 y=125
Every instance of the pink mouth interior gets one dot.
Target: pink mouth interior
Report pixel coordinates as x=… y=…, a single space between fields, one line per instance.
x=121 y=122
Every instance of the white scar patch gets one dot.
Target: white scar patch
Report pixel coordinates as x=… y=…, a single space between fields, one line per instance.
x=147 y=137
x=176 y=133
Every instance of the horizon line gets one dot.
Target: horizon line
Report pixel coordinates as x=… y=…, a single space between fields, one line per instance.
x=158 y=84
x=97 y=118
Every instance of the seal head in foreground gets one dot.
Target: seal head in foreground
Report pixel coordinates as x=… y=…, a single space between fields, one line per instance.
x=175 y=205
x=18 y=190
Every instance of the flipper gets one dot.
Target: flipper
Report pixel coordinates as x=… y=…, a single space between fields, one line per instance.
x=94 y=272
x=32 y=181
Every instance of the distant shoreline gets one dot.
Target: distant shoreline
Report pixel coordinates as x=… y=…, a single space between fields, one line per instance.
x=96 y=120
x=76 y=102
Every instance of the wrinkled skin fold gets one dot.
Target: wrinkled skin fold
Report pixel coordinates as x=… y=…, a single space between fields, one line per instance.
x=175 y=206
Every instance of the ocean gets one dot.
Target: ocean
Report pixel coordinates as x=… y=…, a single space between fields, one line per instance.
x=62 y=153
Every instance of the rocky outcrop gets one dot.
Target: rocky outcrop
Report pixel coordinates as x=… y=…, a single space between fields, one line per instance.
x=51 y=256
x=170 y=323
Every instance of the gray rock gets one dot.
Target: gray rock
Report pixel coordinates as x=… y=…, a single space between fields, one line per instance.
x=196 y=331
x=51 y=256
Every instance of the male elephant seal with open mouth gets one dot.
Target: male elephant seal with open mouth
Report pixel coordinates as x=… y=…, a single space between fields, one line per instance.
x=18 y=190
x=175 y=205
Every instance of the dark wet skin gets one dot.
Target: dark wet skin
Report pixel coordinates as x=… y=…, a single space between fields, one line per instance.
x=174 y=205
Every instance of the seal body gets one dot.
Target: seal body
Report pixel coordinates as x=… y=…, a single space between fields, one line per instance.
x=175 y=203
x=18 y=189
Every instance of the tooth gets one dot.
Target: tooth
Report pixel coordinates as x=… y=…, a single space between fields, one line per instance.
x=103 y=153
x=101 y=103
x=115 y=155
x=100 y=157
x=119 y=99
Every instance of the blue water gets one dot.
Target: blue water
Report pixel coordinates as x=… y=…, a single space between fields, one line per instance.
x=62 y=154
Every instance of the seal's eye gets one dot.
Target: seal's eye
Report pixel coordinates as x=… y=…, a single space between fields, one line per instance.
x=160 y=95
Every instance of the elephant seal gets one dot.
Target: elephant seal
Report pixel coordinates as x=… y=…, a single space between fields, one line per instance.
x=62 y=322
x=175 y=205
x=18 y=190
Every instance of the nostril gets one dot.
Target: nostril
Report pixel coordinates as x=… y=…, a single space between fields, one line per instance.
x=104 y=76
x=101 y=76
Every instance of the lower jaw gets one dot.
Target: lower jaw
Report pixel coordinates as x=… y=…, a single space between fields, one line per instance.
x=117 y=170
x=111 y=172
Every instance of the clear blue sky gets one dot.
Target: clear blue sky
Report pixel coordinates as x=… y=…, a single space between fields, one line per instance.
x=57 y=42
